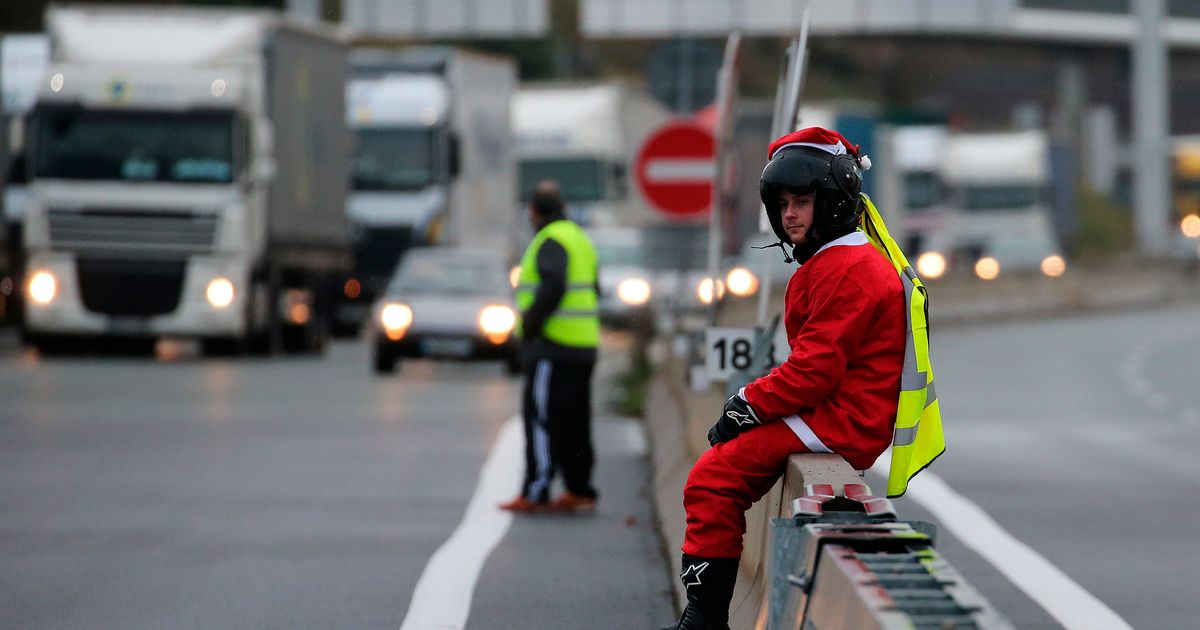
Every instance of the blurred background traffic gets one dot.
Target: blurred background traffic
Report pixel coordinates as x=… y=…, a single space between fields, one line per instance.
x=225 y=192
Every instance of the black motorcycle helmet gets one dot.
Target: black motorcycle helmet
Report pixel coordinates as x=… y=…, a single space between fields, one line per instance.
x=822 y=162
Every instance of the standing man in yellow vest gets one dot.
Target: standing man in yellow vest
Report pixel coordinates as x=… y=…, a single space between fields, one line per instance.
x=557 y=295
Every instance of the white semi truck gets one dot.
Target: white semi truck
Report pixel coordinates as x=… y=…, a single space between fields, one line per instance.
x=990 y=210
x=23 y=59
x=586 y=137
x=433 y=162
x=187 y=172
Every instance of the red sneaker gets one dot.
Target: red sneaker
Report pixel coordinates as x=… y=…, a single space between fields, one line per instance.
x=573 y=503
x=521 y=505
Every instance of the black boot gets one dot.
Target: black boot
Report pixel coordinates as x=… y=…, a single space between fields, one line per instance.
x=709 y=583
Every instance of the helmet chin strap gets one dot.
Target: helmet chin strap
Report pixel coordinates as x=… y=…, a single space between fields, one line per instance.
x=781 y=246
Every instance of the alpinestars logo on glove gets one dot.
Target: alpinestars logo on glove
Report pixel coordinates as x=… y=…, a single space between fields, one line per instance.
x=691 y=579
x=742 y=419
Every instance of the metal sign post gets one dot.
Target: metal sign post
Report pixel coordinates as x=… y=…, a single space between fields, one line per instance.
x=787 y=108
x=727 y=87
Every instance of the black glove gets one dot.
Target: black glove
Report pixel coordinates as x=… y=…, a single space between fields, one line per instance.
x=737 y=416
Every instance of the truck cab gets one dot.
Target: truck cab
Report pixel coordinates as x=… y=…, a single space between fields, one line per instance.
x=995 y=214
x=432 y=162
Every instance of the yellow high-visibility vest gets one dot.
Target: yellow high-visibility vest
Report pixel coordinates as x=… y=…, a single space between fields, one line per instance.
x=576 y=321
x=918 y=438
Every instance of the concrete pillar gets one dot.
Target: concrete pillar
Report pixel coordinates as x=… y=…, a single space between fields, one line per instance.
x=1151 y=116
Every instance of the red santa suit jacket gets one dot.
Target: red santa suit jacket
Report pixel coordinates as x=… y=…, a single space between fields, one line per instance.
x=846 y=325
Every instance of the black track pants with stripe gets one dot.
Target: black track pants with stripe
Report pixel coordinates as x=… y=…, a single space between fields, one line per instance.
x=558 y=427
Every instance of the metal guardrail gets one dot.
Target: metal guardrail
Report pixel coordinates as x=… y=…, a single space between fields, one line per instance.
x=845 y=562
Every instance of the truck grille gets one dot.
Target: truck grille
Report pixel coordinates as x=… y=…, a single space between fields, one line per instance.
x=141 y=288
x=132 y=235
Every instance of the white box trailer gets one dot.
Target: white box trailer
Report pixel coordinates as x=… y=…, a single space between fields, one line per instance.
x=188 y=178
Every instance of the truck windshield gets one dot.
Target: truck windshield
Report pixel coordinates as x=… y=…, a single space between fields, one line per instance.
x=394 y=159
x=922 y=190
x=999 y=197
x=579 y=179
x=192 y=147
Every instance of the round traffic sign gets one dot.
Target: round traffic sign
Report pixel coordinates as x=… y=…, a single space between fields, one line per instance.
x=675 y=170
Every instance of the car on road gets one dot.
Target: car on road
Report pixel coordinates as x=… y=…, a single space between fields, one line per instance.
x=626 y=285
x=446 y=303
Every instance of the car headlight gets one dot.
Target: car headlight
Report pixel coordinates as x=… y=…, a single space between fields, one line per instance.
x=42 y=287
x=931 y=265
x=514 y=276
x=219 y=292
x=741 y=281
x=633 y=291
x=705 y=290
x=1190 y=226
x=395 y=319
x=987 y=268
x=1054 y=266
x=497 y=322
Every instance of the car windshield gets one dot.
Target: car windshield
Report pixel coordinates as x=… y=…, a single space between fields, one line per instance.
x=580 y=179
x=191 y=147
x=449 y=274
x=394 y=159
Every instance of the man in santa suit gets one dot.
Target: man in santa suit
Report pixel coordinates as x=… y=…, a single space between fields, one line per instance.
x=837 y=392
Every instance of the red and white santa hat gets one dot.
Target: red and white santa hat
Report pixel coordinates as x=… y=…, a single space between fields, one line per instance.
x=826 y=140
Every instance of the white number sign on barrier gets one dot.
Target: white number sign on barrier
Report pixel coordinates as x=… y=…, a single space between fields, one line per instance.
x=728 y=350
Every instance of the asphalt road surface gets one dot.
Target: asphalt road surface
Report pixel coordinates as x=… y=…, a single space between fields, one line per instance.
x=291 y=493
x=307 y=493
x=1079 y=437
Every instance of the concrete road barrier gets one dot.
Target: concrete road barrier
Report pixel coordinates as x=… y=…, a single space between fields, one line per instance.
x=678 y=417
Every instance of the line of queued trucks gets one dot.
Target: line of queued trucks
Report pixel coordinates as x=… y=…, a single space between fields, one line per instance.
x=254 y=184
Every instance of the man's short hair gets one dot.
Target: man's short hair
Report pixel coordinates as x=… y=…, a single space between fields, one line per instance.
x=546 y=199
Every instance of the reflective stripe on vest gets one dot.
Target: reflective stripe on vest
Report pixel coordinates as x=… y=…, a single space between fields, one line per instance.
x=918 y=437
x=576 y=321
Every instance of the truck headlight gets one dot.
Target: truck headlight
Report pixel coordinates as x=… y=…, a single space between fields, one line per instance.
x=395 y=319
x=42 y=287
x=931 y=265
x=219 y=292
x=987 y=268
x=1054 y=266
x=497 y=322
x=741 y=281
x=633 y=291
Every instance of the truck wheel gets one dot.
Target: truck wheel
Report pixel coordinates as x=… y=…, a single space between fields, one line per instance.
x=269 y=339
x=384 y=361
x=51 y=345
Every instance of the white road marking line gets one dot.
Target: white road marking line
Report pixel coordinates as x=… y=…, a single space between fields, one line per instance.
x=1044 y=583
x=442 y=599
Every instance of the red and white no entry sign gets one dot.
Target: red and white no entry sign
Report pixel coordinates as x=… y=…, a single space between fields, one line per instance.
x=675 y=170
